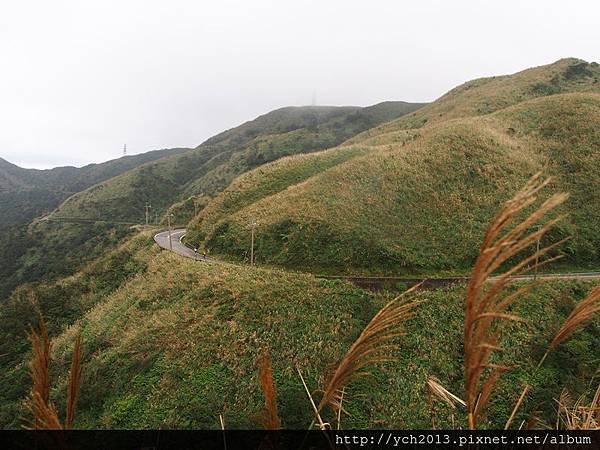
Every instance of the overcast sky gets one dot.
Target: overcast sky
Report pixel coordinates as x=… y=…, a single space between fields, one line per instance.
x=80 y=78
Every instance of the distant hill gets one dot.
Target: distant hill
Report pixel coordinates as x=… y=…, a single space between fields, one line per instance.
x=27 y=193
x=414 y=195
x=215 y=163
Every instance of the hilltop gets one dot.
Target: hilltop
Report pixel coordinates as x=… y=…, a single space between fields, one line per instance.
x=415 y=194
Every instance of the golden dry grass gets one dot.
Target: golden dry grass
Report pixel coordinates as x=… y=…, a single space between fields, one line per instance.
x=436 y=390
x=581 y=314
x=45 y=414
x=74 y=383
x=270 y=417
x=579 y=415
x=486 y=307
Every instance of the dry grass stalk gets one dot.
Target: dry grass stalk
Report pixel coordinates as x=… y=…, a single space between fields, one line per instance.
x=579 y=416
x=437 y=390
x=339 y=411
x=40 y=362
x=270 y=417
x=580 y=315
x=486 y=308
x=372 y=346
x=322 y=424
x=74 y=383
x=517 y=406
x=44 y=413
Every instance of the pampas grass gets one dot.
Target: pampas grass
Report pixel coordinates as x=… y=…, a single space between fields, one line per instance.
x=581 y=314
x=270 y=416
x=74 y=383
x=436 y=390
x=486 y=306
x=579 y=416
x=45 y=415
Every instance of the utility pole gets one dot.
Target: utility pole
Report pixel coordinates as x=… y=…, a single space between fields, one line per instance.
x=124 y=149
x=169 y=224
x=147 y=212
x=253 y=228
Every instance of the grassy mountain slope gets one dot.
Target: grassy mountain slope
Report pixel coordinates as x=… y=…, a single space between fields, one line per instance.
x=419 y=199
x=46 y=250
x=178 y=347
x=213 y=165
x=61 y=303
x=27 y=193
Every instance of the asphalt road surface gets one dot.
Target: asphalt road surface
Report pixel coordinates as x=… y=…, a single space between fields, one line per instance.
x=162 y=239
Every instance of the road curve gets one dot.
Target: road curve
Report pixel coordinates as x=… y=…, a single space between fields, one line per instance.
x=373 y=283
x=162 y=239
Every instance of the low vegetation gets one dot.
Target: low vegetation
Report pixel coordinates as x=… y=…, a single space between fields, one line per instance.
x=209 y=168
x=179 y=181
x=61 y=304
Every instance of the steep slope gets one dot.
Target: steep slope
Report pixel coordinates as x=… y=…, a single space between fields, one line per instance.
x=418 y=200
x=27 y=193
x=44 y=251
x=61 y=304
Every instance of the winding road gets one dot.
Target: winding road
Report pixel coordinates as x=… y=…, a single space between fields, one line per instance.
x=373 y=283
x=177 y=246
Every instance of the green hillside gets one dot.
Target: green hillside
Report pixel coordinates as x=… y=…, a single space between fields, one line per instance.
x=177 y=347
x=28 y=193
x=214 y=164
x=487 y=95
x=416 y=194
